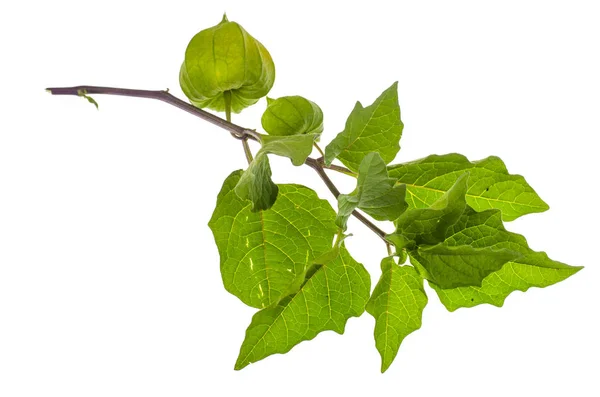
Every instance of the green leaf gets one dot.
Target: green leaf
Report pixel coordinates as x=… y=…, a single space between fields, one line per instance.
x=428 y=225
x=427 y=234
x=376 y=128
x=331 y=294
x=83 y=93
x=256 y=184
x=292 y=115
x=397 y=304
x=226 y=58
x=295 y=147
x=263 y=253
x=491 y=186
x=375 y=193
x=532 y=269
x=463 y=265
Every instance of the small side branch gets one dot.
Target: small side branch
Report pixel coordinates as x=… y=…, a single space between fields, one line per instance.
x=315 y=164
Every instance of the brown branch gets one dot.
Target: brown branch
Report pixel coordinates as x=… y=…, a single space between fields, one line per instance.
x=236 y=131
x=339 y=169
x=315 y=164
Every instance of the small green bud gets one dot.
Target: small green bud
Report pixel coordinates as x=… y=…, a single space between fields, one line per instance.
x=226 y=58
x=292 y=115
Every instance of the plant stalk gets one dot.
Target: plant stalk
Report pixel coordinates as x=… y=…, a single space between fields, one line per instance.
x=227 y=99
x=236 y=131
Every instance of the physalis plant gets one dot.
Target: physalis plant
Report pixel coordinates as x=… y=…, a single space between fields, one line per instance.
x=282 y=247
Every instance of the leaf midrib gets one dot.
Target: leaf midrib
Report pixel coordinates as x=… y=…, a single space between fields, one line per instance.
x=468 y=195
x=365 y=125
x=280 y=315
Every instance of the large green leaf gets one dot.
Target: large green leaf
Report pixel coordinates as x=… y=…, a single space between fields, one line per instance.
x=262 y=253
x=376 y=128
x=296 y=147
x=331 y=294
x=375 y=193
x=397 y=304
x=531 y=269
x=291 y=115
x=428 y=225
x=491 y=186
x=463 y=265
x=256 y=184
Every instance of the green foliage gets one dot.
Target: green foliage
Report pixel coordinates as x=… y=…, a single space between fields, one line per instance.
x=397 y=304
x=448 y=215
x=331 y=294
x=421 y=226
x=531 y=270
x=528 y=269
x=282 y=248
x=375 y=193
x=296 y=147
x=492 y=186
x=292 y=115
x=256 y=184
x=226 y=58
x=376 y=128
x=263 y=252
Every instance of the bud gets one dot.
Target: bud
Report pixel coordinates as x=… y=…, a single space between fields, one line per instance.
x=292 y=115
x=225 y=58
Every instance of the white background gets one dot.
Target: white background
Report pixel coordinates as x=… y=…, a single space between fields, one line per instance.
x=109 y=276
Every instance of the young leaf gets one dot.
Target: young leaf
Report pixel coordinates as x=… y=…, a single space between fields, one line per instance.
x=262 y=253
x=375 y=193
x=397 y=304
x=531 y=269
x=428 y=225
x=256 y=184
x=292 y=115
x=83 y=93
x=331 y=294
x=376 y=128
x=491 y=185
x=226 y=58
x=295 y=147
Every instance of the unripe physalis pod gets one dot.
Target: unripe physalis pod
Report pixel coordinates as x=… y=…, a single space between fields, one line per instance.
x=224 y=62
x=292 y=115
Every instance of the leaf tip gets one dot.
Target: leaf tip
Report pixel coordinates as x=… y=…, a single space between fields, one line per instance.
x=224 y=20
x=545 y=206
x=576 y=269
x=384 y=366
x=239 y=365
